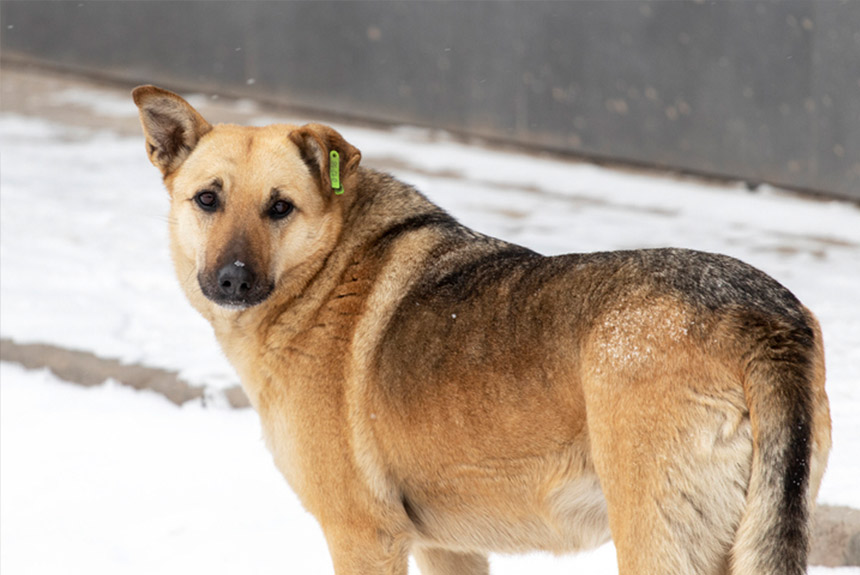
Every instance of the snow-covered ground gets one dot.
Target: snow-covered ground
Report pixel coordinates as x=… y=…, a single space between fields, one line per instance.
x=107 y=480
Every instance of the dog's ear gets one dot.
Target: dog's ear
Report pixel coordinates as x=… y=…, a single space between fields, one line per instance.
x=171 y=126
x=316 y=144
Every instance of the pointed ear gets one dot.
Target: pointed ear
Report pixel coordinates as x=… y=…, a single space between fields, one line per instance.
x=171 y=126
x=316 y=143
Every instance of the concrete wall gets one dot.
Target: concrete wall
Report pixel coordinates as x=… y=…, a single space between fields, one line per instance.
x=757 y=90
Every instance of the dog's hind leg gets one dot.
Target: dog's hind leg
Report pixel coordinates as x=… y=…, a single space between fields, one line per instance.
x=672 y=446
x=434 y=561
x=674 y=511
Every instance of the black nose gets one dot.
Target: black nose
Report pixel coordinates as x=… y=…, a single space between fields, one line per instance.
x=235 y=280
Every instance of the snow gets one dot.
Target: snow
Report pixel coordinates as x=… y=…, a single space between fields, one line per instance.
x=100 y=102
x=111 y=480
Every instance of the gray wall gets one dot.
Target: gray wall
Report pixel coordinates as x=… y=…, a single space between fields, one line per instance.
x=762 y=91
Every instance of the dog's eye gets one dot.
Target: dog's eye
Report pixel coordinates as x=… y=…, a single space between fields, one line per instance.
x=280 y=209
x=207 y=200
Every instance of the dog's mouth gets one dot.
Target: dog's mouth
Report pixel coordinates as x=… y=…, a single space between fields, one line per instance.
x=235 y=286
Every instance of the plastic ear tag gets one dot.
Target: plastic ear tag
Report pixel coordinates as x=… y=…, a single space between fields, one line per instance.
x=334 y=172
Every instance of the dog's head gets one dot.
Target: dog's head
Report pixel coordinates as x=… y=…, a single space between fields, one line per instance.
x=252 y=208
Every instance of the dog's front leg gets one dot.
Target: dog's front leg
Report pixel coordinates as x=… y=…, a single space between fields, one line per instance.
x=434 y=561
x=367 y=550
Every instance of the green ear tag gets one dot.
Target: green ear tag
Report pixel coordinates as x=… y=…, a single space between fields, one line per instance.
x=334 y=172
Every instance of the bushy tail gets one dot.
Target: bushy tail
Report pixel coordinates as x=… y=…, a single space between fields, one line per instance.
x=784 y=388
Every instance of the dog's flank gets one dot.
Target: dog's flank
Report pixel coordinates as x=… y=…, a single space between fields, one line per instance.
x=427 y=389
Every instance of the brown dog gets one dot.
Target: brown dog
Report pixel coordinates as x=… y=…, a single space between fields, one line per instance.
x=426 y=389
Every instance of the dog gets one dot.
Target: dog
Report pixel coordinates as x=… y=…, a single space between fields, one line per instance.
x=427 y=389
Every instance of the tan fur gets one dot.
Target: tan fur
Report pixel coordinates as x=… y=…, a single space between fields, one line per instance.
x=421 y=399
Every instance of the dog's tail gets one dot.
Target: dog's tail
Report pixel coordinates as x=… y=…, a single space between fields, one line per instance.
x=784 y=388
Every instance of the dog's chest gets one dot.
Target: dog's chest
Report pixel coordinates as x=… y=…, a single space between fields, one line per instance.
x=301 y=431
x=297 y=392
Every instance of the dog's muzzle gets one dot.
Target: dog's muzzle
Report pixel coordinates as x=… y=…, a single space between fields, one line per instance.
x=235 y=285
